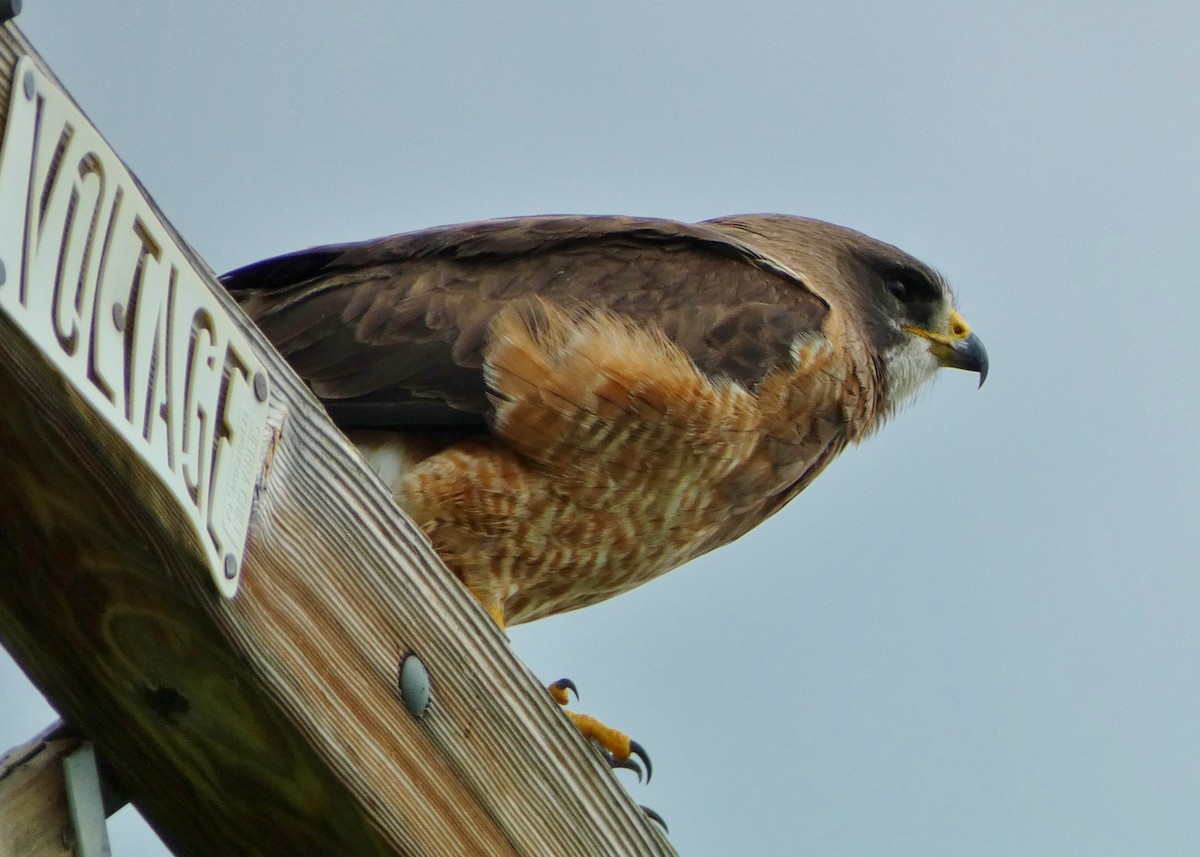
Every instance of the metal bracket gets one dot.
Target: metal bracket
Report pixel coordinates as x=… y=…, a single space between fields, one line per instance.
x=86 y=803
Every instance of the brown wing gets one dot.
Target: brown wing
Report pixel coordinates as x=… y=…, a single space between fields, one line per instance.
x=391 y=333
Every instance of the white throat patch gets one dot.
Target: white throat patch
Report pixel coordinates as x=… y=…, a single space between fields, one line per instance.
x=907 y=368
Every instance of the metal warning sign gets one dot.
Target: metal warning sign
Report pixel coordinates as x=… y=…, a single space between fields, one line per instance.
x=93 y=278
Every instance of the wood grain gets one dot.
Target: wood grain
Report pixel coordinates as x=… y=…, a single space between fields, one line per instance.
x=272 y=723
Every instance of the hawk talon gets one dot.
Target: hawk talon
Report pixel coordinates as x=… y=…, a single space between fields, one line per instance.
x=629 y=764
x=558 y=690
x=636 y=749
x=655 y=817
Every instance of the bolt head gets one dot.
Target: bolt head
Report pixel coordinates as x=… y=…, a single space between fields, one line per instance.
x=414 y=686
x=260 y=386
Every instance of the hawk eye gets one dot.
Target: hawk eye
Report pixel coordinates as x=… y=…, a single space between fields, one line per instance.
x=909 y=286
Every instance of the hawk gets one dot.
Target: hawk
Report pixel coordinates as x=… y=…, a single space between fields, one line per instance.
x=570 y=406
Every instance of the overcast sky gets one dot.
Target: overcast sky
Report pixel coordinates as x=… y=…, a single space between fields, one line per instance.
x=975 y=634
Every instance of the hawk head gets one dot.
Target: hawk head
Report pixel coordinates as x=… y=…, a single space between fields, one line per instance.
x=902 y=308
x=910 y=319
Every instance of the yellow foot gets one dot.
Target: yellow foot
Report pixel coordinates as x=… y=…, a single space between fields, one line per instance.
x=616 y=746
x=495 y=611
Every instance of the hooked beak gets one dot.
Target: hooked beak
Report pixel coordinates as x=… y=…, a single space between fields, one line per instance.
x=959 y=348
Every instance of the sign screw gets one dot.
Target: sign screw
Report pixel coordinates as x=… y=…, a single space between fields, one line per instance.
x=3 y=273
x=260 y=386
x=119 y=316
x=414 y=685
x=231 y=568
x=29 y=85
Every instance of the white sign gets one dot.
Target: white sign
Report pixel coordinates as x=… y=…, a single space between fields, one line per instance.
x=94 y=279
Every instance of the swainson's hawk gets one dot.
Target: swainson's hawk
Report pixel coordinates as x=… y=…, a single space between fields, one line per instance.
x=571 y=406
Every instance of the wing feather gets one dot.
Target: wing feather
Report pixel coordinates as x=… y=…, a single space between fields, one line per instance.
x=393 y=332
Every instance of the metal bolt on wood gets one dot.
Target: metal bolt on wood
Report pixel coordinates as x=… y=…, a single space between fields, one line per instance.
x=414 y=686
x=260 y=386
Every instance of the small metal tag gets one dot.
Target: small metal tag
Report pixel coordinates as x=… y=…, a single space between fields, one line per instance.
x=95 y=281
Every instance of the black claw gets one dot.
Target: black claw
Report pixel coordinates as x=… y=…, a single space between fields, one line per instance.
x=567 y=684
x=638 y=750
x=628 y=765
x=656 y=818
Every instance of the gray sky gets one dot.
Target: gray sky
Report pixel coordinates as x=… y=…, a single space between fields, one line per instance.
x=977 y=633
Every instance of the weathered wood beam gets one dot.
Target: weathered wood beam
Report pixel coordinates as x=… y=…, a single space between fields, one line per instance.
x=272 y=722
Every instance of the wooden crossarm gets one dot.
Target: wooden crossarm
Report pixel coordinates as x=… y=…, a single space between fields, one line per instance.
x=269 y=722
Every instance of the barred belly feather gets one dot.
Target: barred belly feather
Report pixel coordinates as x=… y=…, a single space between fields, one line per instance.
x=613 y=460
